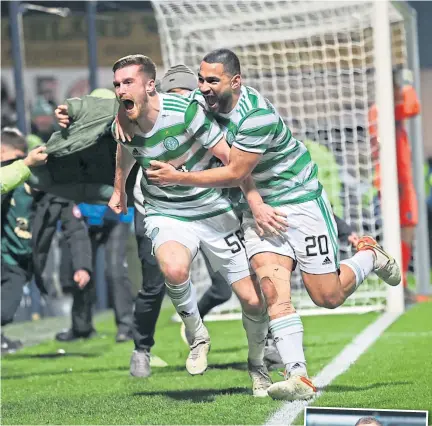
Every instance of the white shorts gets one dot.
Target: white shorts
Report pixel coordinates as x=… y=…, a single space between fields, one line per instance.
x=310 y=239
x=219 y=237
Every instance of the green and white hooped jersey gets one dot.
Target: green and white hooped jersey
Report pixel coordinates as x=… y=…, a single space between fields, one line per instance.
x=182 y=135
x=285 y=173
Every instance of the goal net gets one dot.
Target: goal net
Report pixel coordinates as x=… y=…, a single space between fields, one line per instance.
x=315 y=61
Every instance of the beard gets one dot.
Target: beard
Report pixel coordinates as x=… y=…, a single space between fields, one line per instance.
x=225 y=102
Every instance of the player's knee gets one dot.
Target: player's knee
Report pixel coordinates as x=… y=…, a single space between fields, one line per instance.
x=275 y=284
x=278 y=303
x=331 y=303
x=176 y=273
x=325 y=290
x=328 y=301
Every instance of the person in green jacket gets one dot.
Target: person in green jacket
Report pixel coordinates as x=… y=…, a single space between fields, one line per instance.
x=15 y=174
x=17 y=220
x=16 y=249
x=81 y=157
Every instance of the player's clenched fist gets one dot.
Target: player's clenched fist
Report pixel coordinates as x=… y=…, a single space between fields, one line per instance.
x=118 y=202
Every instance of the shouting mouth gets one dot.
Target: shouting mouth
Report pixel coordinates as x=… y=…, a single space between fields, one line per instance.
x=128 y=104
x=211 y=101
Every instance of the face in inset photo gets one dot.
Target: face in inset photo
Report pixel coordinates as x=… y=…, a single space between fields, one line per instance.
x=317 y=416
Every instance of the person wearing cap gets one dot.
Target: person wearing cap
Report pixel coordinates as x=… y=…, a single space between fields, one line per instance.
x=43 y=123
x=181 y=80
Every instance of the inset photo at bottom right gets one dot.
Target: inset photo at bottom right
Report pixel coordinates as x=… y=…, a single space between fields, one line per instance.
x=320 y=416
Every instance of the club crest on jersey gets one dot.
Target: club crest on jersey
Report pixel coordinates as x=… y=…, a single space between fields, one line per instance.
x=154 y=233
x=230 y=137
x=171 y=143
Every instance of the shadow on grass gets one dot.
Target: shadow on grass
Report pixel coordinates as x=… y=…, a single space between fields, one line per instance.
x=65 y=372
x=343 y=388
x=196 y=395
x=242 y=366
x=52 y=355
x=170 y=369
x=227 y=350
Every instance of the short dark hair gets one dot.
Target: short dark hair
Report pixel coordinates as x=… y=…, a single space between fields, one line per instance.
x=368 y=421
x=13 y=138
x=146 y=64
x=227 y=58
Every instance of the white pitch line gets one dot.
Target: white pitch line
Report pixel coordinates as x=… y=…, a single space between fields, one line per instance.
x=287 y=414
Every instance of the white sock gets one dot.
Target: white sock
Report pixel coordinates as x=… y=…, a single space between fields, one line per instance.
x=256 y=331
x=288 y=336
x=362 y=264
x=183 y=297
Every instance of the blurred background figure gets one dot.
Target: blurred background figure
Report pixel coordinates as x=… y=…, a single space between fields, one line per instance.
x=16 y=251
x=111 y=232
x=8 y=113
x=406 y=105
x=19 y=262
x=43 y=123
x=428 y=176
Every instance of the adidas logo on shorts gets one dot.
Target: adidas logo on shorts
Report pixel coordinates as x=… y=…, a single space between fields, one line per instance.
x=327 y=261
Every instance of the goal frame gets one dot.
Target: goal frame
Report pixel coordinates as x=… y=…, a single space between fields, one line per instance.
x=384 y=14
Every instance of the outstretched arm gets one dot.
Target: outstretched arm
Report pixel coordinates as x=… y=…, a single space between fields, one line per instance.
x=13 y=175
x=18 y=172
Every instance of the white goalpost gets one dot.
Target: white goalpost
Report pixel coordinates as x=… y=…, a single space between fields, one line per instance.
x=387 y=137
x=323 y=64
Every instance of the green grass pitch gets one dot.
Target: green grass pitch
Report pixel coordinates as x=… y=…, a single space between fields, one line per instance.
x=90 y=384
